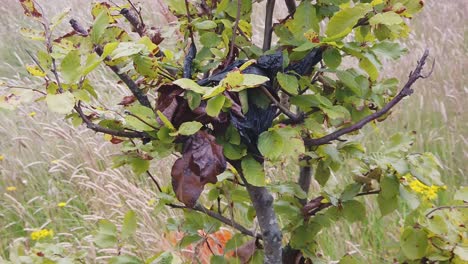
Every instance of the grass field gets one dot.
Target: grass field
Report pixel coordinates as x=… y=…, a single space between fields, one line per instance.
x=48 y=161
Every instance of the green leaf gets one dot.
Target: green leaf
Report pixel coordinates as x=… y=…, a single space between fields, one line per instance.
x=350 y=81
x=214 y=105
x=129 y=224
x=332 y=58
x=344 y=20
x=387 y=205
x=216 y=259
x=350 y=191
x=100 y=24
x=210 y=39
x=253 y=171
x=61 y=103
x=125 y=49
x=189 y=128
x=71 y=67
x=139 y=165
x=288 y=82
x=387 y=18
x=107 y=234
x=354 y=211
x=270 y=144
x=165 y=121
x=389 y=49
x=212 y=92
x=250 y=81
x=206 y=24
x=189 y=84
x=414 y=243
x=389 y=187
x=322 y=173
x=189 y=239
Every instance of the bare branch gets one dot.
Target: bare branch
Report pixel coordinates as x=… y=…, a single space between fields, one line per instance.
x=268 y=30
x=305 y=177
x=282 y=108
x=406 y=91
x=226 y=221
x=98 y=128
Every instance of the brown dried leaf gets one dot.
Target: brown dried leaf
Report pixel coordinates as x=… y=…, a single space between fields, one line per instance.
x=29 y=8
x=128 y=100
x=200 y=163
x=246 y=251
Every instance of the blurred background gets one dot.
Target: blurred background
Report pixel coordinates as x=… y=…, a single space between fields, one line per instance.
x=45 y=161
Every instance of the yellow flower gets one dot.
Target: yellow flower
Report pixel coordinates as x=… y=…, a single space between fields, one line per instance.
x=41 y=234
x=427 y=192
x=62 y=204
x=2 y=157
x=32 y=114
x=11 y=188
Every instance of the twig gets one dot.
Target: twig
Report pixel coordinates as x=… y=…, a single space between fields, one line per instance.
x=138 y=12
x=282 y=108
x=154 y=181
x=234 y=31
x=315 y=205
x=268 y=32
x=226 y=221
x=131 y=84
x=406 y=91
x=98 y=128
x=451 y=207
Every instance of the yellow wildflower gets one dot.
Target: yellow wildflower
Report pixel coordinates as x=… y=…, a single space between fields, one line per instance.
x=11 y=188
x=2 y=157
x=32 y=114
x=428 y=192
x=62 y=204
x=41 y=234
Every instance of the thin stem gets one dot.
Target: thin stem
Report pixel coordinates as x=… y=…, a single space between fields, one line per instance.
x=451 y=207
x=282 y=108
x=406 y=91
x=234 y=30
x=98 y=128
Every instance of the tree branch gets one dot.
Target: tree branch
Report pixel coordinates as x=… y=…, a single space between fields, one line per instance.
x=406 y=91
x=98 y=128
x=305 y=177
x=226 y=221
x=315 y=205
x=293 y=117
x=267 y=33
x=134 y=88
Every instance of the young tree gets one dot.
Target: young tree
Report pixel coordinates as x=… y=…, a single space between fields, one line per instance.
x=228 y=110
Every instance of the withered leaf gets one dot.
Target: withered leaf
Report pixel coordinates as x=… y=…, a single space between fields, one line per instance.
x=201 y=161
x=127 y=100
x=246 y=251
x=30 y=8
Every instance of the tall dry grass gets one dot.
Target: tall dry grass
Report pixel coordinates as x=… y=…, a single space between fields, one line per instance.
x=49 y=161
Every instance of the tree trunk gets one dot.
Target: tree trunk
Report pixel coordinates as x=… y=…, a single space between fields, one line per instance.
x=263 y=205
